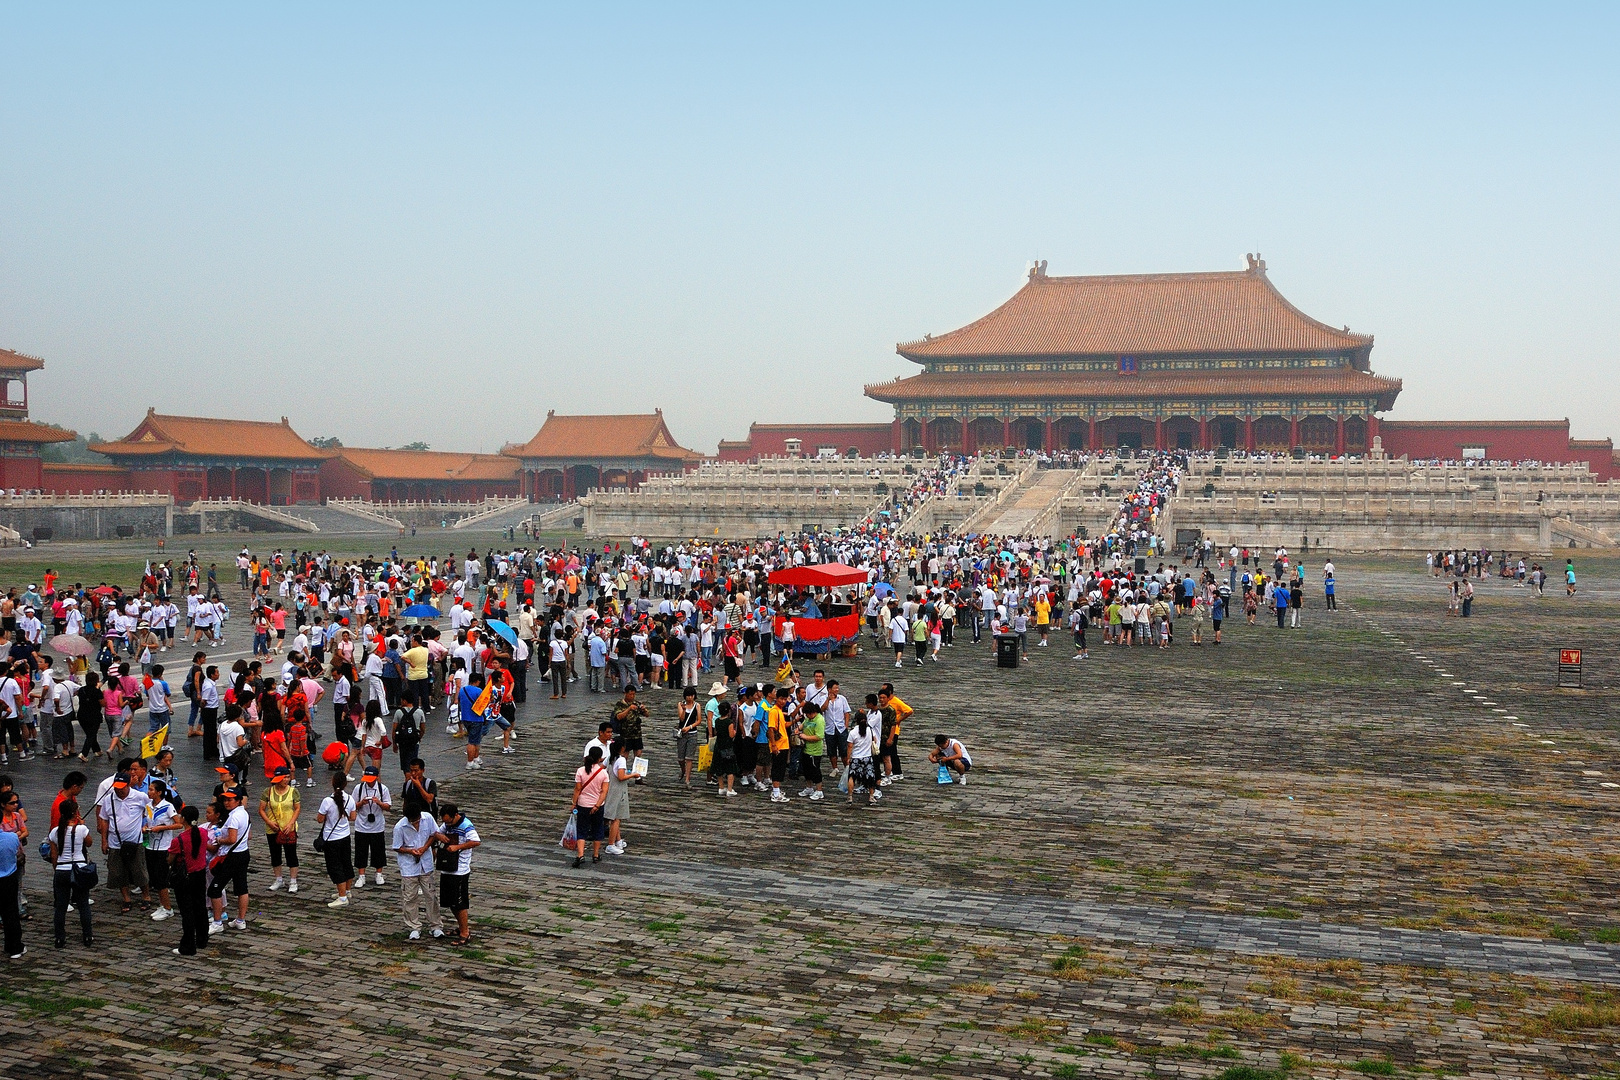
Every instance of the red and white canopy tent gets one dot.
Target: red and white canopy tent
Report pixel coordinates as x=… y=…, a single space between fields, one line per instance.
x=820 y=635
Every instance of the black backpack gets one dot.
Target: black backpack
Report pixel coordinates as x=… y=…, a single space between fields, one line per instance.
x=409 y=723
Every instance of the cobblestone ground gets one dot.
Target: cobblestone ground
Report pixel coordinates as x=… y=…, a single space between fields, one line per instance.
x=1380 y=844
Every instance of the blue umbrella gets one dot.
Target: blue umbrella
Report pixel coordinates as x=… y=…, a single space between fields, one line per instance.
x=505 y=631
x=421 y=611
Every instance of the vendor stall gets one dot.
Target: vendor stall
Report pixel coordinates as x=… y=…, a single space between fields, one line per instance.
x=829 y=630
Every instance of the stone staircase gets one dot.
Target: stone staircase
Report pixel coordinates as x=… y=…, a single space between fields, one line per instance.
x=1574 y=534
x=500 y=514
x=1034 y=511
x=276 y=514
x=341 y=519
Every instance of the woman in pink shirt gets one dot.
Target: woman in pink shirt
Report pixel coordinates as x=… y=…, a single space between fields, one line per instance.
x=590 y=792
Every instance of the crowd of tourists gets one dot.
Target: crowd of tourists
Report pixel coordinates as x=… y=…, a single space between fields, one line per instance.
x=354 y=663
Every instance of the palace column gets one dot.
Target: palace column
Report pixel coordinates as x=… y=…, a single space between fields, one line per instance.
x=1293 y=432
x=1372 y=431
x=1091 y=436
x=894 y=435
x=1158 y=434
x=1046 y=438
x=1203 y=433
x=969 y=446
x=1006 y=433
x=233 y=481
x=1248 y=434
x=928 y=435
x=1338 y=437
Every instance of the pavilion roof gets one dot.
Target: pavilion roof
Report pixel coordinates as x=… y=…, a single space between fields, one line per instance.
x=28 y=431
x=383 y=464
x=207 y=436
x=11 y=360
x=636 y=435
x=1235 y=312
x=1059 y=385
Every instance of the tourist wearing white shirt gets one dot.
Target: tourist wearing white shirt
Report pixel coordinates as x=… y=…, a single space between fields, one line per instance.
x=335 y=820
x=413 y=848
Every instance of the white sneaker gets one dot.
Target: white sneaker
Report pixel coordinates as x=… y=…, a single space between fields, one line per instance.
x=962 y=780
x=310 y=782
x=886 y=781
x=507 y=750
x=360 y=882
x=877 y=795
x=729 y=794
x=277 y=885
x=414 y=935
x=377 y=877
x=777 y=796
x=238 y=924
x=162 y=913
x=614 y=849
x=292 y=886
x=816 y=796
x=341 y=901
x=896 y=776
x=215 y=927
x=805 y=794
x=436 y=932
x=472 y=765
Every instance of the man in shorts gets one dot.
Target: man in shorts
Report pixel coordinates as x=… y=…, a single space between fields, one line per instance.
x=121 y=818
x=233 y=869
x=953 y=755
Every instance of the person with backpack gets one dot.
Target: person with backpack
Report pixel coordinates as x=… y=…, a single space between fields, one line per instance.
x=457 y=837
x=410 y=722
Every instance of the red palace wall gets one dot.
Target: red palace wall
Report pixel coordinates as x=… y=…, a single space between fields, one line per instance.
x=21 y=473
x=1502 y=440
x=770 y=440
x=85 y=479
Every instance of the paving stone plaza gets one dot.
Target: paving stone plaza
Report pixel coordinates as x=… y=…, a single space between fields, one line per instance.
x=1384 y=843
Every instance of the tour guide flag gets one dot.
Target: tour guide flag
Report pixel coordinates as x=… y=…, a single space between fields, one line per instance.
x=155 y=741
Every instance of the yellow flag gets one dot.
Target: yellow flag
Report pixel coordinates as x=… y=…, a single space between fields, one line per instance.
x=155 y=742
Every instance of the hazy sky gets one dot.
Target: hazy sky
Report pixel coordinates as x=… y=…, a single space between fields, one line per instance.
x=394 y=223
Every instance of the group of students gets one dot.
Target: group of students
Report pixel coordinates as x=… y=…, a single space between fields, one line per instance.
x=773 y=735
x=156 y=846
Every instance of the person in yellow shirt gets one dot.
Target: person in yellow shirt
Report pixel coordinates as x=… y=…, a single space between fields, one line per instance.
x=776 y=728
x=1043 y=616
x=894 y=713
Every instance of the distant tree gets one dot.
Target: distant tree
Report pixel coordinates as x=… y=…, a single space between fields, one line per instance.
x=77 y=452
x=326 y=442
x=416 y=446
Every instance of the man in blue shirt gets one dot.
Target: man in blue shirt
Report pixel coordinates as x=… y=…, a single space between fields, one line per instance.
x=1279 y=599
x=10 y=880
x=598 y=654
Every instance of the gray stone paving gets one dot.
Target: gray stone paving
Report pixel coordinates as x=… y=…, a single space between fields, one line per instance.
x=1133 y=923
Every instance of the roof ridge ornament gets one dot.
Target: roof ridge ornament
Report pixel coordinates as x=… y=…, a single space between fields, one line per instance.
x=1037 y=269
x=1257 y=265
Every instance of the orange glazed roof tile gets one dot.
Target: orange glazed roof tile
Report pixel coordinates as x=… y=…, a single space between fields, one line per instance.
x=623 y=436
x=11 y=360
x=206 y=436
x=1140 y=314
x=29 y=431
x=1059 y=385
x=428 y=464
